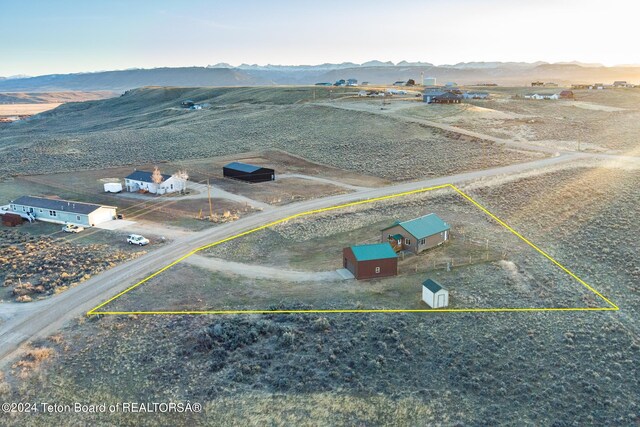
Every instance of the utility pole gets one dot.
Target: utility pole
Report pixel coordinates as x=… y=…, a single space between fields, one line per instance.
x=209 y=196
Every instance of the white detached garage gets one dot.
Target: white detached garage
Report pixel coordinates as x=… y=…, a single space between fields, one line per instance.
x=434 y=294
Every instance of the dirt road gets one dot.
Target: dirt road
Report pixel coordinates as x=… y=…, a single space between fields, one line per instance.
x=262 y=271
x=45 y=317
x=449 y=128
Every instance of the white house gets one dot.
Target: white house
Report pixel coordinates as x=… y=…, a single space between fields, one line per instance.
x=142 y=180
x=434 y=295
x=475 y=95
x=542 y=96
x=62 y=211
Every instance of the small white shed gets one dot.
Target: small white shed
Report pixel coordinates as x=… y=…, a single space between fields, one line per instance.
x=112 y=187
x=434 y=294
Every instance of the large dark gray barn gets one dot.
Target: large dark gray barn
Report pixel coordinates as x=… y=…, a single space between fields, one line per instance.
x=248 y=173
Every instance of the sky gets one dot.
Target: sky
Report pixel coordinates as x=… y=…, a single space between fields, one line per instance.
x=62 y=36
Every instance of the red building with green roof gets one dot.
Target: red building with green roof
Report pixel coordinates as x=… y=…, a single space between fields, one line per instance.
x=371 y=261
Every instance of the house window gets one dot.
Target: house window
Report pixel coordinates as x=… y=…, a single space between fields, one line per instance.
x=172 y=186
x=53 y=213
x=407 y=241
x=78 y=217
x=40 y=210
x=13 y=207
x=24 y=209
x=377 y=270
x=423 y=241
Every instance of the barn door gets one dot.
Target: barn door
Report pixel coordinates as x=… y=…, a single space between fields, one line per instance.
x=440 y=301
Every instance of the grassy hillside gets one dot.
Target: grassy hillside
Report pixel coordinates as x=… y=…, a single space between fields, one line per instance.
x=148 y=125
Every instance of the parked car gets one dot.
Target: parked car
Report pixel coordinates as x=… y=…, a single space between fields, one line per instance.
x=72 y=228
x=136 y=239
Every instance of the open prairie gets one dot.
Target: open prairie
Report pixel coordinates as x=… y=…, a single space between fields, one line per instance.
x=524 y=368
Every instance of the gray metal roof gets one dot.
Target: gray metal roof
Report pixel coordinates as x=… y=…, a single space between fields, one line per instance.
x=432 y=285
x=57 y=205
x=145 y=176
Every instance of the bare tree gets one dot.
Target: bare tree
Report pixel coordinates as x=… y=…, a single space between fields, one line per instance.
x=183 y=176
x=156 y=176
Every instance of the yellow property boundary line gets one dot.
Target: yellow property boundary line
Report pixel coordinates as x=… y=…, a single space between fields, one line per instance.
x=612 y=306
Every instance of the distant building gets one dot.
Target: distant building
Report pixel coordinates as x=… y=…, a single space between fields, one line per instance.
x=62 y=211
x=143 y=181
x=620 y=83
x=567 y=94
x=324 y=84
x=429 y=94
x=187 y=103
x=430 y=81
x=341 y=82
x=475 y=95
x=444 y=98
x=248 y=173
x=352 y=82
x=597 y=86
x=551 y=84
x=370 y=261
x=552 y=96
x=418 y=234
x=400 y=83
x=451 y=84
x=364 y=84
x=537 y=83
x=434 y=294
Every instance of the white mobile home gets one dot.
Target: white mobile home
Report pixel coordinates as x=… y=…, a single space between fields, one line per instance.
x=142 y=180
x=434 y=294
x=62 y=211
x=542 y=96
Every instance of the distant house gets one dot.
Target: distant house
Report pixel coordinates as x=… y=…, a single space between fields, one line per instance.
x=620 y=83
x=542 y=96
x=597 y=86
x=364 y=84
x=324 y=84
x=434 y=294
x=62 y=211
x=443 y=98
x=370 y=261
x=429 y=81
x=352 y=82
x=341 y=82
x=537 y=83
x=429 y=94
x=142 y=180
x=567 y=94
x=363 y=93
x=400 y=83
x=187 y=103
x=451 y=84
x=418 y=234
x=475 y=95
x=248 y=173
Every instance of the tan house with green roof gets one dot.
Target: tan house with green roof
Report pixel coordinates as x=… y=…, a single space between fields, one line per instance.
x=417 y=235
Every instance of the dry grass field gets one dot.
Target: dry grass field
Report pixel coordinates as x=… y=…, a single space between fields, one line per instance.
x=524 y=368
x=148 y=125
x=10 y=110
x=536 y=368
x=605 y=120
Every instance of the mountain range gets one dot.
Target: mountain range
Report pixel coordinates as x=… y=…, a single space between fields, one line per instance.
x=375 y=72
